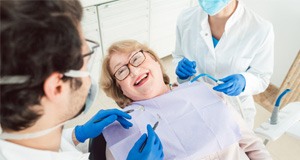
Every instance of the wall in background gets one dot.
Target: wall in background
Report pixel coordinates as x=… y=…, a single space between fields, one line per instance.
x=151 y=22
x=285 y=17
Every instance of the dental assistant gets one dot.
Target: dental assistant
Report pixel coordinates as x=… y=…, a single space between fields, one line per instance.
x=230 y=42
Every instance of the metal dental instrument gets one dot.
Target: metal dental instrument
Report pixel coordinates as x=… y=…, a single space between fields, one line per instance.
x=128 y=111
x=207 y=75
x=144 y=143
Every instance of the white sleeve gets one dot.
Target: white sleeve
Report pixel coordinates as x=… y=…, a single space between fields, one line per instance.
x=261 y=68
x=178 y=53
x=67 y=135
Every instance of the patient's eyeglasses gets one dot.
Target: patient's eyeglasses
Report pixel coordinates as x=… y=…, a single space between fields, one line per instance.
x=136 y=60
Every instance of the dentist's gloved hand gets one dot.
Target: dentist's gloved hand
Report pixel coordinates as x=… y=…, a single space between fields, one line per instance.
x=153 y=149
x=91 y=129
x=233 y=85
x=185 y=68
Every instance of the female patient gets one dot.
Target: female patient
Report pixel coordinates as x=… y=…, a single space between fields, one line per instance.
x=193 y=121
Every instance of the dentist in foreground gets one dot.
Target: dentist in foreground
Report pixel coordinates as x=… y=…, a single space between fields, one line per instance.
x=47 y=79
x=230 y=42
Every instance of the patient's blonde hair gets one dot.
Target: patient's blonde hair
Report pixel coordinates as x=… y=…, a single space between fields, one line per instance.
x=108 y=81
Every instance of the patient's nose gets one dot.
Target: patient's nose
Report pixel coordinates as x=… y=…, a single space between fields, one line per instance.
x=134 y=71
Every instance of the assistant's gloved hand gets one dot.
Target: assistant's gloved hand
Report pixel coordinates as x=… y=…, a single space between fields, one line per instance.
x=92 y=129
x=153 y=149
x=233 y=85
x=185 y=68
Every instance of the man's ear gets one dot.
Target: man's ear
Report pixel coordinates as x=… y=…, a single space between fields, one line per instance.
x=53 y=85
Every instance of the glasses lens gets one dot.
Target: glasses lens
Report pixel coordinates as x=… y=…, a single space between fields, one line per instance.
x=93 y=48
x=122 y=73
x=92 y=58
x=137 y=59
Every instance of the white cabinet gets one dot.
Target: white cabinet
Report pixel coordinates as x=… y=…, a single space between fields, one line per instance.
x=150 y=22
x=124 y=19
x=163 y=19
x=87 y=3
x=90 y=25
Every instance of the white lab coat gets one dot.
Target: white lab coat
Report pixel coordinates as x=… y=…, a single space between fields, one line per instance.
x=68 y=151
x=247 y=41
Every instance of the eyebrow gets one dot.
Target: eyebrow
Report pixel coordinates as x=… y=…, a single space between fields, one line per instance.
x=129 y=57
x=117 y=65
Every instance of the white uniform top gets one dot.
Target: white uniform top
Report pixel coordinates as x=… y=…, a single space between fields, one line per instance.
x=246 y=47
x=68 y=151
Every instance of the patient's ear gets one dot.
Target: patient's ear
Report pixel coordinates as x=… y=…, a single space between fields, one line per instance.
x=53 y=85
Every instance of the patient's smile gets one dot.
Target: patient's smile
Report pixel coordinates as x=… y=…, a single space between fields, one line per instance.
x=141 y=79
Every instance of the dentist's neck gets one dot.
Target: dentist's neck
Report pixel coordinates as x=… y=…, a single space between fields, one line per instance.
x=50 y=142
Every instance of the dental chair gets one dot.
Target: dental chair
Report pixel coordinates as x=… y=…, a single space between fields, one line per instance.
x=97 y=148
x=288 y=118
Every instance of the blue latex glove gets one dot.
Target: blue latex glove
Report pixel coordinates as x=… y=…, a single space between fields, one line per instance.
x=233 y=85
x=91 y=129
x=185 y=68
x=153 y=149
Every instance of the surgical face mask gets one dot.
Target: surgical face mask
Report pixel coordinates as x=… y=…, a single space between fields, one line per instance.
x=212 y=7
x=93 y=66
x=93 y=71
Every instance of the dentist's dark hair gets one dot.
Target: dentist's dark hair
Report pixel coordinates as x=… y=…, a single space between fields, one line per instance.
x=37 y=39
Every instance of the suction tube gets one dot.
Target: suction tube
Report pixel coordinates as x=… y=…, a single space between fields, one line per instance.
x=274 y=116
x=202 y=75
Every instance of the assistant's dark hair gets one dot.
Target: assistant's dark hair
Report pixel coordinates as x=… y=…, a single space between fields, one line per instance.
x=37 y=39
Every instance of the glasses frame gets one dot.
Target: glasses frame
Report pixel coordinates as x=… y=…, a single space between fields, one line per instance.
x=93 y=48
x=78 y=73
x=127 y=65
